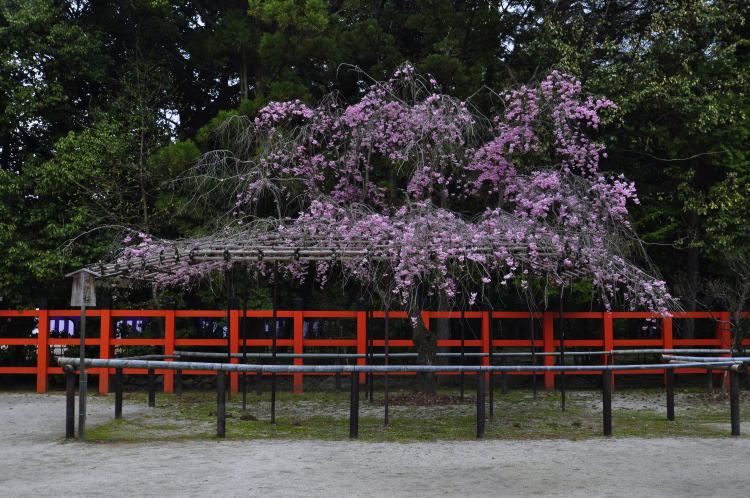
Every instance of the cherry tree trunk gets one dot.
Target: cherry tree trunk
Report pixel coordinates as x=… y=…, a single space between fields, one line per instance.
x=443 y=327
x=425 y=342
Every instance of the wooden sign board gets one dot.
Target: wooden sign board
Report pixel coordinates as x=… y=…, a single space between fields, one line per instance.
x=84 y=293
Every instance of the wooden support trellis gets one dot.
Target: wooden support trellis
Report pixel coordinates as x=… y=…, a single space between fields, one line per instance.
x=244 y=247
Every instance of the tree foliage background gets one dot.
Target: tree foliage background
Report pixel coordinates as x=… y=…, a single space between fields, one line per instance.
x=104 y=102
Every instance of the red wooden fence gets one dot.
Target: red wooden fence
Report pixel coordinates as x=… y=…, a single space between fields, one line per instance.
x=168 y=342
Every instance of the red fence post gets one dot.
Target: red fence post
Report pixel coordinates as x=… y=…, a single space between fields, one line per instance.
x=106 y=339
x=667 y=338
x=608 y=332
x=486 y=342
x=362 y=342
x=42 y=352
x=169 y=339
x=724 y=331
x=234 y=348
x=724 y=334
x=549 y=347
x=426 y=316
x=105 y=347
x=298 y=346
x=608 y=339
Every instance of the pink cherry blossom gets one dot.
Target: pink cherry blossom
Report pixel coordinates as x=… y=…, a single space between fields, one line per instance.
x=550 y=213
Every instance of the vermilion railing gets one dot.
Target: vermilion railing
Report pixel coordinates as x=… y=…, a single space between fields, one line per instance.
x=546 y=341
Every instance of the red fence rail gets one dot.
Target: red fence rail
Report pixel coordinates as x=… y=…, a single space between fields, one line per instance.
x=604 y=339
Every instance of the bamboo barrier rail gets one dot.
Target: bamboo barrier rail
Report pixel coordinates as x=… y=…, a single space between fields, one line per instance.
x=120 y=365
x=614 y=352
x=127 y=363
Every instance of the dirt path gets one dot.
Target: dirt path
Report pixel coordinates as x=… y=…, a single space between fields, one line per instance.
x=36 y=463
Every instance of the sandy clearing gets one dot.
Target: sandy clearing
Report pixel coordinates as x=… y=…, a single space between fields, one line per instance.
x=35 y=463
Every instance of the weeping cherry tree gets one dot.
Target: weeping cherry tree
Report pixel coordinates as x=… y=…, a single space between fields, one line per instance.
x=413 y=194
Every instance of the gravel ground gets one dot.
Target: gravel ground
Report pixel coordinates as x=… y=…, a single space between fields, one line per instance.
x=36 y=463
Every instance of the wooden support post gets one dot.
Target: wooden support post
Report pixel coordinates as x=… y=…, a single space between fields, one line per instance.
x=670 y=394
x=151 y=388
x=243 y=332
x=490 y=361
x=607 y=402
x=354 y=406
x=275 y=337
x=220 y=405
x=118 y=393
x=82 y=379
x=243 y=335
x=561 y=323
x=70 y=402
x=480 y=404
x=370 y=361
x=231 y=303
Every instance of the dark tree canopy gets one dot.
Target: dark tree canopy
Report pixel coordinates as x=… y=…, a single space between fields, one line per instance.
x=105 y=102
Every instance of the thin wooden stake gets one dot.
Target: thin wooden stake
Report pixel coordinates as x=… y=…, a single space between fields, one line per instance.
x=70 y=402
x=734 y=401
x=562 y=351
x=670 y=394
x=607 y=402
x=480 y=404
x=118 y=393
x=354 y=406
x=243 y=334
x=227 y=279
x=151 y=388
x=83 y=380
x=220 y=405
